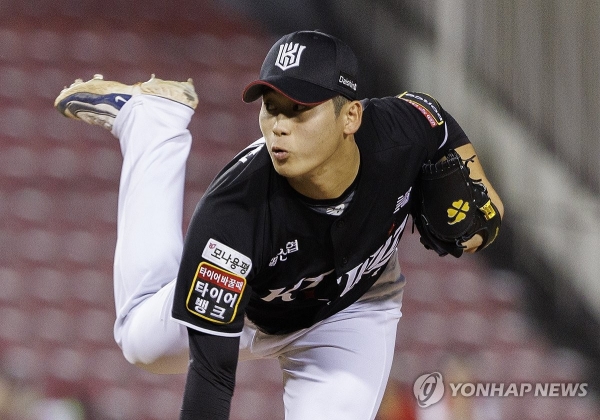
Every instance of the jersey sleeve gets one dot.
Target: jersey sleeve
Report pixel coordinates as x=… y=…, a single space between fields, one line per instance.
x=439 y=128
x=211 y=377
x=217 y=263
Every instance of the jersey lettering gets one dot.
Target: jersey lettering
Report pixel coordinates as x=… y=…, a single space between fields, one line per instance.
x=402 y=200
x=290 y=247
x=286 y=294
x=372 y=264
x=367 y=268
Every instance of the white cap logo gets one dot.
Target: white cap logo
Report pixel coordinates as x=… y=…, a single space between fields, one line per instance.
x=289 y=55
x=429 y=389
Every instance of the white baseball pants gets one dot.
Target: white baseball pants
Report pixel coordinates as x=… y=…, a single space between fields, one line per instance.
x=337 y=369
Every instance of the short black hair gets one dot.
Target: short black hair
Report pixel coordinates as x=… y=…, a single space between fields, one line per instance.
x=338 y=103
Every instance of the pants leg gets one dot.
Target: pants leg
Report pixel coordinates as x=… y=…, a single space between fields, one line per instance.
x=339 y=369
x=155 y=144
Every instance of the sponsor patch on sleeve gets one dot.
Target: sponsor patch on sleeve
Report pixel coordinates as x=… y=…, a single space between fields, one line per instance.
x=215 y=294
x=226 y=257
x=426 y=105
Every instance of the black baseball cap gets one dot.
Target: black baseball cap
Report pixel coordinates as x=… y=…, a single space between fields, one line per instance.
x=308 y=67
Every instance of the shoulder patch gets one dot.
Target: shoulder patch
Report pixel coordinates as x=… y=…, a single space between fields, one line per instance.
x=215 y=294
x=226 y=257
x=426 y=105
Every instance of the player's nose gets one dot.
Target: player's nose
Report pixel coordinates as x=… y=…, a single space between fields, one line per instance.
x=281 y=125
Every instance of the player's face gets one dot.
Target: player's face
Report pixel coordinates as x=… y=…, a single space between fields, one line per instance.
x=307 y=144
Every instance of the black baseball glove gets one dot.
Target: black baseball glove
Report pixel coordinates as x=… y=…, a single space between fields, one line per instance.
x=449 y=207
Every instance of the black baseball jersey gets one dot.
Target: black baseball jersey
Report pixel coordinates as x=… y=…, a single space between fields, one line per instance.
x=257 y=248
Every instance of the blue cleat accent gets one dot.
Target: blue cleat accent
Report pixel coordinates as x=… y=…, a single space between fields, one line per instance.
x=98 y=101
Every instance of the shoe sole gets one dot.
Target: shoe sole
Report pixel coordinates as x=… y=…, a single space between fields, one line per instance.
x=181 y=92
x=80 y=95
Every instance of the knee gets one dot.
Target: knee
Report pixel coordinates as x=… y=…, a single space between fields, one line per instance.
x=155 y=361
x=152 y=347
x=167 y=365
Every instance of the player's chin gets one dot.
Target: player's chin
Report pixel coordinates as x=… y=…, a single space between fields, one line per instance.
x=284 y=167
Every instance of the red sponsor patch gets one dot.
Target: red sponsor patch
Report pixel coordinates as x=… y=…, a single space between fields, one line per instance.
x=215 y=294
x=426 y=106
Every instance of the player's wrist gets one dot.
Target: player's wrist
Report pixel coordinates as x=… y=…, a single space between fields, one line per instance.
x=473 y=244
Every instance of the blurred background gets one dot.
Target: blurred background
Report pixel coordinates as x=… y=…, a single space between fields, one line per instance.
x=521 y=76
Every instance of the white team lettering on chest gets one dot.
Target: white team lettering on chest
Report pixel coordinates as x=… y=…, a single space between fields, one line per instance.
x=367 y=268
x=285 y=294
x=402 y=200
x=372 y=264
x=290 y=247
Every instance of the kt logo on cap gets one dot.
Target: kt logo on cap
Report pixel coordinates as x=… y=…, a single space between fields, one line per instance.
x=289 y=55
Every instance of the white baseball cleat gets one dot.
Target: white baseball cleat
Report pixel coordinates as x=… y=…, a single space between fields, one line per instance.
x=98 y=101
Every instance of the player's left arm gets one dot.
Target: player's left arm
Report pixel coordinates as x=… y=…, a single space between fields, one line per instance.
x=211 y=376
x=467 y=153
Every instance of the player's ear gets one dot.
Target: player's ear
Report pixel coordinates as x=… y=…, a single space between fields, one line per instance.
x=352 y=113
